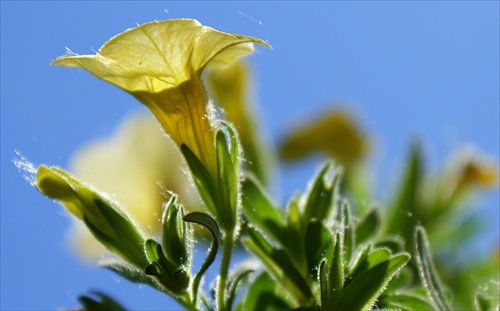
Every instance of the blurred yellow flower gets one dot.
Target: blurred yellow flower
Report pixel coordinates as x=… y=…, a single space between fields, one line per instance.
x=137 y=167
x=230 y=87
x=469 y=168
x=160 y=64
x=334 y=133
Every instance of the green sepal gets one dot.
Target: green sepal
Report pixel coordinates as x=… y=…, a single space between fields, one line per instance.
x=368 y=226
x=202 y=179
x=279 y=263
x=208 y=222
x=173 y=277
x=427 y=271
x=227 y=182
x=260 y=211
x=107 y=222
x=321 y=194
x=99 y=302
x=176 y=234
x=363 y=290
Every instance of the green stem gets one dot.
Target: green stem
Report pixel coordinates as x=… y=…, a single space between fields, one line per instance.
x=224 y=267
x=187 y=303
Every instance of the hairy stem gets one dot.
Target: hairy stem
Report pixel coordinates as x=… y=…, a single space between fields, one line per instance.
x=224 y=267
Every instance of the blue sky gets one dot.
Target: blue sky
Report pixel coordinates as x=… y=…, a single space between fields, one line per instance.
x=419 y=69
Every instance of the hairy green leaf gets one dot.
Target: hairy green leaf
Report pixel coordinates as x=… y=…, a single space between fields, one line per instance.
x=363 y=290
x=368 y=226
x=260 y=211
x=102 y=303
x=427 y=271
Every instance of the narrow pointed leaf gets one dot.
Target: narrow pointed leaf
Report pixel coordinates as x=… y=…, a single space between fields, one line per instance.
x=260 y=211
x=407 y=301
x=227 y=180
x=363 y=291
x=324 y=286
x=336 y=275
x=368 y=226
x=320 y=197
x=202 y=179
x=427 y=271
x=234 y=282
x=321 y=248
x=264 y=294
x=279 y=263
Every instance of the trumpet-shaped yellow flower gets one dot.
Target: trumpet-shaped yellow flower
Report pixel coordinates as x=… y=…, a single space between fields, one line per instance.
x=334 y=134
x=135 y=166
x=160 y=64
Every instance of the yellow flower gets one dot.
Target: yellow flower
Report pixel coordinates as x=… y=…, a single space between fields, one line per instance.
x=334 y=134
x=136 y=166
x=230 y=88
x=160 y=64
x=469 y=169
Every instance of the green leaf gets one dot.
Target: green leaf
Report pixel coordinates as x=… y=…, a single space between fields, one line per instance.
x=427 y=271
x=405 y=210
x=362 y=291
x=368 y=226
x=336 y=276
x=324 y=286
x=227 y=181
x=102 y=303
x=176 y=237
x=322 y=247
x=202 y=179
x=347 y=232
x=132 y=274
x=236 y=279
x=294 y=234
x=279 y=263
x=393 y=242
x=264 y=294
x=234 y=144
x=372 y=259
x=208 y=222
x=321 y=194
x=408 y=301
x=482 y=303
x=260 y=211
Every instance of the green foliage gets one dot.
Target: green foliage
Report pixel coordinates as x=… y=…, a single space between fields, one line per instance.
x=315 y=253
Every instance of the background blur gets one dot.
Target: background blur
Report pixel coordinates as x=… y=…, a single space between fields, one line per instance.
x=427 y=70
